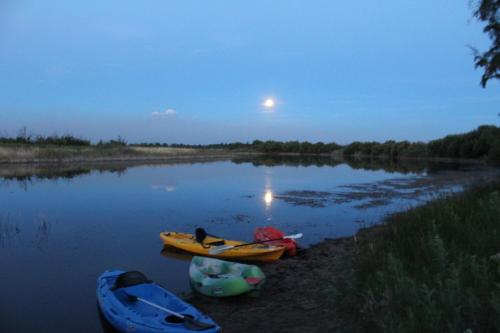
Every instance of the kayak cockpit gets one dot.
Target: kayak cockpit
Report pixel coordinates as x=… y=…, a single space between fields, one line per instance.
x=142 y=306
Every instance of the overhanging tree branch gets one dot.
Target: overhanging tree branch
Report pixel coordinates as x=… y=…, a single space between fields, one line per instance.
x=488 y=11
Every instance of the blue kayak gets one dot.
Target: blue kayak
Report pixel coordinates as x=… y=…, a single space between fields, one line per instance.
x=131 y=303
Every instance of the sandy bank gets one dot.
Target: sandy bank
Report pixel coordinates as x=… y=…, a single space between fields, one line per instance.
x=295 y=298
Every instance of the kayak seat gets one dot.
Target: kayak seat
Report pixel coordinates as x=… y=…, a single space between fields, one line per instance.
x=128 y=279
x=218 y=276
x=213 y=276
x=201 y=235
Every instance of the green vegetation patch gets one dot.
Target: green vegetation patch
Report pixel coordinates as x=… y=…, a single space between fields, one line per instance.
x=435 y=268
x=484 y=142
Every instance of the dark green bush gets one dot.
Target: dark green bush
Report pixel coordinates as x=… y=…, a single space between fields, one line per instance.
x=480 y=143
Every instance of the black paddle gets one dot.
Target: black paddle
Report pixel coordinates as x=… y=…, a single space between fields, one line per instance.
x=219 y=249
x=190 y=323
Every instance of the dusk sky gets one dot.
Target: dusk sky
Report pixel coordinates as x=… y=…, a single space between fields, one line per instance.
x=200 y=71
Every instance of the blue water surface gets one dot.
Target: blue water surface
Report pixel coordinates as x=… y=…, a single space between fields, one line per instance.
x=57 y=234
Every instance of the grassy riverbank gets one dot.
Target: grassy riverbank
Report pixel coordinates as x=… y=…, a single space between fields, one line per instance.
x=435 y=268
x=23 y=153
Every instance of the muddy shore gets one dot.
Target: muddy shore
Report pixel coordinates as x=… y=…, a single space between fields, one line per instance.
x=296 y=297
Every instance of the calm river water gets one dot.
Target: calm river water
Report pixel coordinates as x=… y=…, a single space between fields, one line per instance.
x=61 y=227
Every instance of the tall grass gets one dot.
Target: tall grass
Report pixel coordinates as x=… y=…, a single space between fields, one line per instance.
x=9 y=231
x=435 y=268
x=27 y=153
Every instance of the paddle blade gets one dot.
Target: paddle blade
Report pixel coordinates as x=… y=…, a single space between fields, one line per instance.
x=296 y=236
x=196 y=325
x=219 y=249
x=189 y=322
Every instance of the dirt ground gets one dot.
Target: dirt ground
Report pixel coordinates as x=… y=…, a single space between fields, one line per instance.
x=295 y=297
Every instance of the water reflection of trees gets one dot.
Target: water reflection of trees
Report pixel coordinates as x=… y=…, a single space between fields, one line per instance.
x=403 y=166
x=288 y=160
x=24 y=175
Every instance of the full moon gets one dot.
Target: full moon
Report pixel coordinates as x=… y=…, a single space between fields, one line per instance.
x=269 y=103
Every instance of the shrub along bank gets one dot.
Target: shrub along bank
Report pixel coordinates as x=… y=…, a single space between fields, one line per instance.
x=435 y=268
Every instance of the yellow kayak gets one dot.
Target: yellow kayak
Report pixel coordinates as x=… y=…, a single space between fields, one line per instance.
x=253 y=252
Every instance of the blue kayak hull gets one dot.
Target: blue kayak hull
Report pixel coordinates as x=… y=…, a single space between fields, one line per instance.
x=129 y=315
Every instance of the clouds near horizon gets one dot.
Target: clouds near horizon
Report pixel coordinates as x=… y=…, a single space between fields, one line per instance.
x=166 y=113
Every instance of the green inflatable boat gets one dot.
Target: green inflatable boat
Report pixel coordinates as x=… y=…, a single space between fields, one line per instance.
x=219 y=278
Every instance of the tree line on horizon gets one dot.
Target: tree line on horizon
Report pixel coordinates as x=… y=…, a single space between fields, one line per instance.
x=25 y=138
x=483 y=142
x=270 y=146
x=62 y=140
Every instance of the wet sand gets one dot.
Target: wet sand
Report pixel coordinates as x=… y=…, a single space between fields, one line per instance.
x=295 y=298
